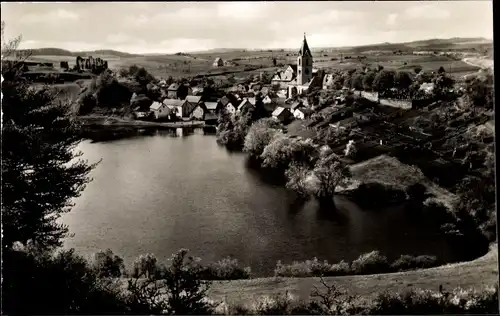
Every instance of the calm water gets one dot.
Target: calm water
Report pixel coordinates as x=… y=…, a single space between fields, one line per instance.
x=168 y=190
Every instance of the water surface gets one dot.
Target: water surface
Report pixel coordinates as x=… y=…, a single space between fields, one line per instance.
x=165 y=190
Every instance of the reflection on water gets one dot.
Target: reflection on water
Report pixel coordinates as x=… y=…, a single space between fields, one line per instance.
x=158 y=190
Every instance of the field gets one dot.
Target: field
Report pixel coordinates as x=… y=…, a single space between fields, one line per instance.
x=476 y=274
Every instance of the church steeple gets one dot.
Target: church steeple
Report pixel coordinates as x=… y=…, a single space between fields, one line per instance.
x=304 y=63
x=304 y=49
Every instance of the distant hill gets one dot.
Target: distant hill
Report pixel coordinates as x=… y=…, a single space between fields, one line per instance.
x=62 y=52
x=428 y=44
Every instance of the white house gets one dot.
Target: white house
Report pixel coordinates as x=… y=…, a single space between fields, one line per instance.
x=160 y=110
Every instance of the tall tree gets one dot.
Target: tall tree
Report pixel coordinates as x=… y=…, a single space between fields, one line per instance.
x=41 y=171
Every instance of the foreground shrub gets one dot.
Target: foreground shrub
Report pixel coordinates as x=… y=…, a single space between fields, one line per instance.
x=107 y=264
x=424 y=302
x=333 y=301
x=370 y=263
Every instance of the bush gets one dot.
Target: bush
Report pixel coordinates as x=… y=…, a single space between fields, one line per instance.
x=406 y=262
x=424 y=302
x=87 y=103
x=370 y=263
x=226 y=269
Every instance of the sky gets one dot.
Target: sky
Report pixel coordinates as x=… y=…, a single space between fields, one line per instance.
x=169 y=27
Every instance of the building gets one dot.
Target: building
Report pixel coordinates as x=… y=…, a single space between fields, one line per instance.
x=176 y=106
x=245 y=105
x=218 y=62
x=282 y=78
x=304 y=78
x=160 y=110
x=198 y=113
x=179 y=91
x=328 y=81
x=302 y=113
x=282 y=114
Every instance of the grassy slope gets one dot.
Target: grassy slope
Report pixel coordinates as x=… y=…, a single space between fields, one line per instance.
x=475 y=274
x=390 y=171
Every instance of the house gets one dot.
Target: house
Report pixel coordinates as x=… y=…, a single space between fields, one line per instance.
x=245 y=105
x=197 y=113
x=177 y=106
x=179 y=91
x=285 y=76
x=160 y=110
x=328 y=82
x=282 y=114
x=218 y=62
x=427 y=87
x=197 y=91
x=302 y=113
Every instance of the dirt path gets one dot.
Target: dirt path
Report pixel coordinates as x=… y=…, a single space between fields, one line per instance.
x=483 y=63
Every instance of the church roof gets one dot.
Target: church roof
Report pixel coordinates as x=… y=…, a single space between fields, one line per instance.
x=304 y=49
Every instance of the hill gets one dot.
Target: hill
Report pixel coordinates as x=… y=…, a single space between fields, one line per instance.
x=51 y=51
x=428 y=44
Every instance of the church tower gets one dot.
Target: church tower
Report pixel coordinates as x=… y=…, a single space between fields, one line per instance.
x=304 y=63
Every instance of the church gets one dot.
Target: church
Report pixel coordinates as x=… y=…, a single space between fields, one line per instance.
x=298 y=78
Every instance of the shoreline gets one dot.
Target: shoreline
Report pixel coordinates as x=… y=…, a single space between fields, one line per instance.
x=111 y=121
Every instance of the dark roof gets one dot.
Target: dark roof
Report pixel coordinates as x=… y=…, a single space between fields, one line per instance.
x=304 y=49
x=296 y=105
x=294 y=67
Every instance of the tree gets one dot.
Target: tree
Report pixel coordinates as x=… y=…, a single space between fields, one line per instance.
x=357 y=81
x=402 y=80
x=274 y=62
x=41 y=172
x=107 y=264
x=479 y=92
x=283 y=150
x=145 y=265
x=87 y=103
x=297 y=176
x=185 y=289
x=441 y=70
x=368 y=79
x=260 y=134
x=383 y=81
x=417 y=69
x=329 y=172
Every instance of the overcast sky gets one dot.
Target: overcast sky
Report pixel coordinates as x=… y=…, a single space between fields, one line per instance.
x=172 y=27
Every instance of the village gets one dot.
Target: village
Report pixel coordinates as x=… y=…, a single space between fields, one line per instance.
x=283 y=94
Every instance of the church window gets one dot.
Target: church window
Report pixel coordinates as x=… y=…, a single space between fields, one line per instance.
x=299 y=72
x=307 y=71
x=299 y=61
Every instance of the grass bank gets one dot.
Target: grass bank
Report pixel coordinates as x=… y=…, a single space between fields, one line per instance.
x=477 y=274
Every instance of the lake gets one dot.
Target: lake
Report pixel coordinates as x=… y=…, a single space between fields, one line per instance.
x=159 y=191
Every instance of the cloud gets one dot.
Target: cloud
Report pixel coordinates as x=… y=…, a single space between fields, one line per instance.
x=391 y=19
x=51 y=17
x=426 y=11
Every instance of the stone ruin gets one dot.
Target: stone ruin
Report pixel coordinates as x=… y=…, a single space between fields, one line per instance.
x=95 y=65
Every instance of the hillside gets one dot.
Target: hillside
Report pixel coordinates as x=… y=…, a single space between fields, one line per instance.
x=428 y=44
